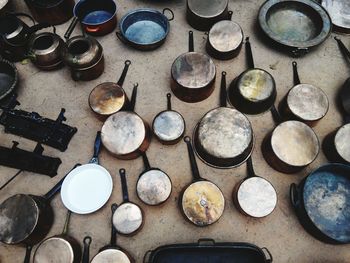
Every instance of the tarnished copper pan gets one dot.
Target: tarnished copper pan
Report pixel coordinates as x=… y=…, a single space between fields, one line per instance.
x=201 y=202
x=304 y=102
x=223 y=138
x=128 y=218
x=154 y=186
x=125 y=134
x=193 y=75
x=108 y=98
x=169 y=125
x=255 y=196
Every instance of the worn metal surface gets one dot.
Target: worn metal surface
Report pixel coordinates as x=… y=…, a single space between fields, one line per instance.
x=339 y=11
x=127 y=218
x=169 y=126
x=207 y=8
x=111 y=255
x=154 y=187
x=307 y=102
x=341 y=141
x=226 y=36
x=203 y=203
x=54 y=250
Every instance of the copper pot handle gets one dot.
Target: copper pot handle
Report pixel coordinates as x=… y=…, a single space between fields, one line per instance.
x=296 y=77
x=171 y=12
x=86 y=253
x=28 y=253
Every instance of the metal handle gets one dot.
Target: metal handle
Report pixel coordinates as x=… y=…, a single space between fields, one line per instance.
x=113 y=242
x=294 y=195
x=71 y=28
x=267 y=252
x=127 y=63
x=275 y=114
x=190 y=41
x=133 y=97
x=250 y=167
x=11 y=179
x=295 y=73
x=124 y=185
x=28 y=252
x=86 y=253
x=168 y=96
x=147 y=256
x=194 y=166
x=250 y=59
x=97 y=148
x=342 y=47
x=223 y=94
x=145 y=161
x=171 y=12
x=202 y=241
x=121 y=37
x=66 y=223
x=230 y=13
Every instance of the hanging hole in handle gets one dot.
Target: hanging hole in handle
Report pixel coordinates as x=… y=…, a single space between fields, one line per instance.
x=230 y=13
x=267 y=253
x=127 y=62
x=294 y=63
x=87 y=240
x=171 y=12
x=187 y=139
x=247 y=39
x=168 y=95
x=224 y=73
x=122 y=171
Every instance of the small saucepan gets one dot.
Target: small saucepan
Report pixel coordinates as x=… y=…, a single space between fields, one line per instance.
x=201 y=202
x=109 y=97
x=224 y=137
x=86 y=251
x=83 y=54
x=8 y=78
x=154 y=186
x=59 y=248
x=225 y=39
x=193 y=75
x=98 y=18
x=202 y=14
x=125 y=134
x=128 y=218
x=321 y=202
x=145 y=28
x=304 y=102
x=254 y=91
x=112 y=252
x=169 y=126
x=255 y=196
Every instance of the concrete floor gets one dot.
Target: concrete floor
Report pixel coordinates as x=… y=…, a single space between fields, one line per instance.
x=281 y=233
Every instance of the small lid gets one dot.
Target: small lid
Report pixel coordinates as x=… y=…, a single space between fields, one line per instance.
x=203 y=203
x=55 y=250
x=207 y=8
x=169 y=126
x=111 y=255
x=295 y=143
x=226 y=36
x=127 y=218
x=342 y=139
x=307 y=102
x=154 y=187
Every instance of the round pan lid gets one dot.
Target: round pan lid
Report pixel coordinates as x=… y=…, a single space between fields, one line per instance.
x=86 y=189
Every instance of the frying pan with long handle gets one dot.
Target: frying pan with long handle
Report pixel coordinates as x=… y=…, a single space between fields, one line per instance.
x=112 y=252
x=202 y=202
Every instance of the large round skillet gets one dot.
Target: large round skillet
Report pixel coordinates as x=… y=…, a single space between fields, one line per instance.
x=322 y=203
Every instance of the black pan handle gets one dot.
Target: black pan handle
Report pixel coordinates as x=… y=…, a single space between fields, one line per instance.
x=250 y=59
x=28 y=253
x=97 y=148
x=194 y=166
x=168 y=96
x=86 y=253
x=49 y=195
x=294 y=195
x=71 y=27
x=343 y=48
x=190 y=41
x=250 y=167
x=223 y=91
x=275 y=114
x=171 y=13
x=113 y=242
x=66 y=223
x=147 y=256
x=145 y=161
x=230 y=13
x=121 y=80
x=133 y=97
x=268 y=253
x=296 y=77
x=124 y=185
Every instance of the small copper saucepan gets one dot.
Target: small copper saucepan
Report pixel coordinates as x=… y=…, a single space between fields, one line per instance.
x=153 y=186
x=125 y=134
x=304 y=102
x=112 y=252
x=109 y=97
x=255 y=196
x=224 y=137
x=128 y=218
x=169 y=125
x=193 y=75
x=201 y=202
x=59 y=248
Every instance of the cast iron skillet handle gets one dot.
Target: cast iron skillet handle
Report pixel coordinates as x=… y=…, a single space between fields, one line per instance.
x=86 y=253
x=171 y=12
x=223 y=96
x=114 y=231
x=265 y=250
x=97 y=148
x=295 y=73
x=250 y=167
x=146 y=257
x=250 y=59
x=194 y=166
x=133 y=97
x=294 y=193
x=145 y=161
x=230 y=13
x=206 y=241
x=66 y=223
x=57 y=187
x=168 y=96
x=276 y=115
x=124 y=185
x=28 y=252
x=190 y=41
x=342 y=47
x=127 y=63
x=71 y=28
